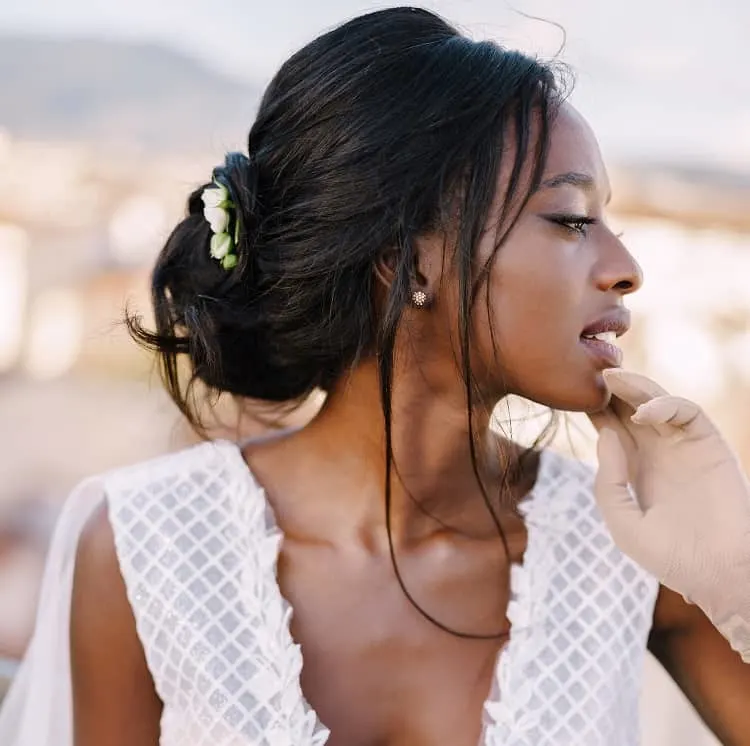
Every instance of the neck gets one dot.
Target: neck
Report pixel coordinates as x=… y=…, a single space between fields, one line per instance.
x=433 y=479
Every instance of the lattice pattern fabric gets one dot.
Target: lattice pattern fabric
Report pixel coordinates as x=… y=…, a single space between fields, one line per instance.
x=198 y=549
x=580 y=615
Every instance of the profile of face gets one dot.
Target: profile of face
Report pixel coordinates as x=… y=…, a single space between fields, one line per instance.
x=554 y=304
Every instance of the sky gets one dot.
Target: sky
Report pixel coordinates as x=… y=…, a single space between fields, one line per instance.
x=659 y=79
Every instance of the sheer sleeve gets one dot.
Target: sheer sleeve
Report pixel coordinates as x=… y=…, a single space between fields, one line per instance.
x=37 y=710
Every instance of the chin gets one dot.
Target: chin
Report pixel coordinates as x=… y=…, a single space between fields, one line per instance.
x=599 y=397
x=580 y=394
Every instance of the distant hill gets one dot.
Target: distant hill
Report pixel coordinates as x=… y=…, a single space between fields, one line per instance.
x=113 y=92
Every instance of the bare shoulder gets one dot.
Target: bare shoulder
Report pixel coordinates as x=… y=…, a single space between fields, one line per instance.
x=96 y=565
x=114 y=700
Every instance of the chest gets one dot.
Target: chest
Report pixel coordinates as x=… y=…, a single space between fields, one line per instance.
x=210 y=598
x=376 y=671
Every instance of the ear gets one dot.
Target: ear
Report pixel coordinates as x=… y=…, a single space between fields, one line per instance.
x=385 y=267
x=427 y=266
x=430 y=257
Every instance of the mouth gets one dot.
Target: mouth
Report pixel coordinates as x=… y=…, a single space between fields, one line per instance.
x=608 y=337
x=600 y=338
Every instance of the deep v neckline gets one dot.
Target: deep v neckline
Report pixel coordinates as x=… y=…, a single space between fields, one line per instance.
x=498 y=708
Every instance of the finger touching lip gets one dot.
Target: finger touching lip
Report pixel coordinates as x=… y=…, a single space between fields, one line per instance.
x=633 y=388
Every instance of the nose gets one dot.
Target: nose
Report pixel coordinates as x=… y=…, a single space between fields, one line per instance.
x=617 y=268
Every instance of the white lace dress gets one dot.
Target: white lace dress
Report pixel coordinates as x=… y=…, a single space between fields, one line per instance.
x=198 y=547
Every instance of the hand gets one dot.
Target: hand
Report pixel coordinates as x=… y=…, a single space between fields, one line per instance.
x=688 y=522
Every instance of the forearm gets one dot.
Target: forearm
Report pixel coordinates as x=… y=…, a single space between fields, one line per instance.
x=727 y=606
x=702 y=664
x=736 y=629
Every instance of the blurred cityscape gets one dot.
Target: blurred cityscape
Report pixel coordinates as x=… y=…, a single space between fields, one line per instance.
x=89 y=187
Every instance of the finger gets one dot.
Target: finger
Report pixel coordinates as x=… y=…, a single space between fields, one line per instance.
x=603 y=418
x=622 y=409
x=624 y=413
x=609 y=418
x=641 y=433
x=632 y=388
x=673 y=413
x=621 y=512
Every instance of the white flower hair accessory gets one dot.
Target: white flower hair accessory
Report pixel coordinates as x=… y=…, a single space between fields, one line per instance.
x=217 y=209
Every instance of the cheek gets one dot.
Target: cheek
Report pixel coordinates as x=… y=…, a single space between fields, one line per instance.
x=535 y=298
x=538 y=307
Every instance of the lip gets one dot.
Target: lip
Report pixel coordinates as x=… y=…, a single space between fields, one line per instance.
x=607 y=355
x=617 y=320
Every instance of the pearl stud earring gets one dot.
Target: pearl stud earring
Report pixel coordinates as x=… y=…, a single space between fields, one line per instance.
x=419 y=298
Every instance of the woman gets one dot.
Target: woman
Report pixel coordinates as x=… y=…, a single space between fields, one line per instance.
x=418 y=232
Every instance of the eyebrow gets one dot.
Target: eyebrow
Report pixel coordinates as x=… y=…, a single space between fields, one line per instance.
x=572 y=178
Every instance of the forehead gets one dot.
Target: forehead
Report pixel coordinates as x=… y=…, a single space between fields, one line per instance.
x=574 y=148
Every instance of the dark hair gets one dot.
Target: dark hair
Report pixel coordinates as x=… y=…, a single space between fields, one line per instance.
x=389 y=126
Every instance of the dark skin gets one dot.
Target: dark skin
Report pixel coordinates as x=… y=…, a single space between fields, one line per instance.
x=376 y=671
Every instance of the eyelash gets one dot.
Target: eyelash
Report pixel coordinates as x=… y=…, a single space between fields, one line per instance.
x=574 y=223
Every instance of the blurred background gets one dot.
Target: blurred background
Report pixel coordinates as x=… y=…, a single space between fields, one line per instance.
x=110 y=113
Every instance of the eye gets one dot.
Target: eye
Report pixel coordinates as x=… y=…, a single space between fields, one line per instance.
x=573 y=223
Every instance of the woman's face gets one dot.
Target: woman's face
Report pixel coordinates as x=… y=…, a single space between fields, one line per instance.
x=560 y=277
